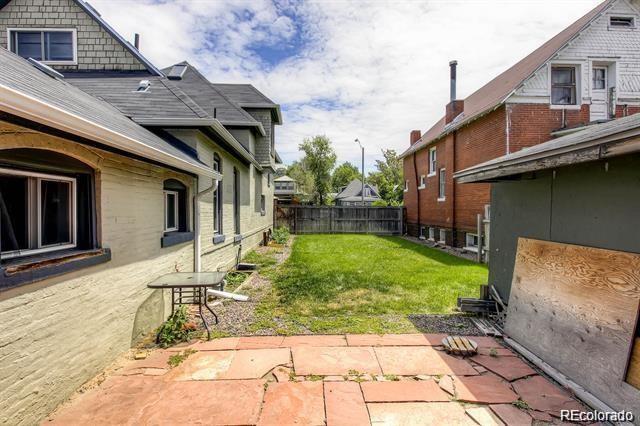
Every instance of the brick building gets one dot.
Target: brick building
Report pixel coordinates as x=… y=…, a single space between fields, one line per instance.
x=587 y=74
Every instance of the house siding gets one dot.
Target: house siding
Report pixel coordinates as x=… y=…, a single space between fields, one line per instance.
x=263 y=143
x=97 y=49
x=62 y=331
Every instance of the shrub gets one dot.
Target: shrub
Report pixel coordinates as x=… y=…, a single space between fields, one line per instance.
x=176 y=329
x=281 y=235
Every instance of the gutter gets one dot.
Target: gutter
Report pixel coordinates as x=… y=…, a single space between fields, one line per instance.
x=30 y=108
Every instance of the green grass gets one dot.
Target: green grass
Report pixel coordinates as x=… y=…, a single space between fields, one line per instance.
x=363 y=283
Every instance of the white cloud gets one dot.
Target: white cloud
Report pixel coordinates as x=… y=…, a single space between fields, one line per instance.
x=372 y=70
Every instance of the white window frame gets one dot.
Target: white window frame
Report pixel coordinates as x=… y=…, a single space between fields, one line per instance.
x=442 y=236
x=74 y=40
x=433 y=159
x=432 y=233
x=423 y=182
x=39 y=177
x=442 y=184
x=176 y=195
x=620 y=27
x=406 y=185
x=577 y=66
x=469 y=240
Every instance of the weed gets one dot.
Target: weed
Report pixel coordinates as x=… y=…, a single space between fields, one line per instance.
x=281 y=235
x=493 y=352
x=521 y=404
x=391 y=377
x=315 y=378
x=176 y=329
x=176 y=359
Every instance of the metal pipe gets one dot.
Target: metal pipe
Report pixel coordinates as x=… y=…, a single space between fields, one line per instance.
x=362 y=189
x=197 y=261
x=452 y=75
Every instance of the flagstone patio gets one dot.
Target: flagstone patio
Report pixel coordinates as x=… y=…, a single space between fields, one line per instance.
x=316 y=380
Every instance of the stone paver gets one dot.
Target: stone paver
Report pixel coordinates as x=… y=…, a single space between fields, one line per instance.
x=484 y=416
x=293 y=403
x=218 y=365
x=414 y=360
x=319 y=340
x=395 y=339
x=220 y=402
x=507 y=367
x=260 y=342
x=223 y=344
x=334 y=361
x=112 y=403
x=344 y=404
x=419 y=414
x=222 y=384
x=511 y=415
x=403 y=391
x=486 y=389
x=542 y=395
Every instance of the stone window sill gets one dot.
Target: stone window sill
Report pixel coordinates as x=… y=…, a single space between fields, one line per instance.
x=237 y=238
x=173 y=238
x=26 y=270
x=218 y=239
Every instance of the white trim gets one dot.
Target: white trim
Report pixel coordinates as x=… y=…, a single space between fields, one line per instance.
x=442 y=190
x=406 y=185
x=176 y=212
x=433 y=163
x=74 y=42
x=577 y=66
x=39 y=177
x=17 y=103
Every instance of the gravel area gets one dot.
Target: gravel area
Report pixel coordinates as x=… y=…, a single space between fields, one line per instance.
x=451 y=250
x=448 y=324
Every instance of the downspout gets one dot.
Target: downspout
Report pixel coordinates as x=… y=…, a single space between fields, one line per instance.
x=454 y=237
x=415 y=175
x=197 y=246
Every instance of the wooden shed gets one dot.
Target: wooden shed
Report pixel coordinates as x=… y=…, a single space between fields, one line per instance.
x=565 y=254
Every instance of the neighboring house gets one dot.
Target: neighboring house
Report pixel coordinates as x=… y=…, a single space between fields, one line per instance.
x=588 y=73
x=581 y=189
x=112 y=173
x=285 y=189
x=351 y=195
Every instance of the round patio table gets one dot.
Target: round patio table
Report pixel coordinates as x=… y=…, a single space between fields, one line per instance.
x=190 y=288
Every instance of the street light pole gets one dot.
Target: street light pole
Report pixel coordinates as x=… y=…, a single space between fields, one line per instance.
x=362 y=148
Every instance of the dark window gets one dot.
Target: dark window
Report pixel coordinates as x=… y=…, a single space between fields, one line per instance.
x=563 y=86
x=263 y=205
x=236 y=201
x=46 y=203
x=599 y=78
x=217 y=198
x=175 y=206
x=43 y=45
x=441 y=184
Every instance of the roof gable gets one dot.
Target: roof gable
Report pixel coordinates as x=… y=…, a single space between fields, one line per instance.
x=354 y=189
x=495 y=92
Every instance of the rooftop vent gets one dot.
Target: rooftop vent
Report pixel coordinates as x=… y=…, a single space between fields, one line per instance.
x=176 y=72
x=622 y=21
x=45 y=68
x=143 y=86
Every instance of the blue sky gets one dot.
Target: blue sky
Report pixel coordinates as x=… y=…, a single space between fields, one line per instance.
x=347 y=69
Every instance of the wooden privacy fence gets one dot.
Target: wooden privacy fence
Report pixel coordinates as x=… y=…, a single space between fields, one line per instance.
x=340 y=219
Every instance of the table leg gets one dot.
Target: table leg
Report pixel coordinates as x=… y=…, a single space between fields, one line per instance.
x=204 y=321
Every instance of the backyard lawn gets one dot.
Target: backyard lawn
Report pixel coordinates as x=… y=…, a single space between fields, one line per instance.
x=362 y=283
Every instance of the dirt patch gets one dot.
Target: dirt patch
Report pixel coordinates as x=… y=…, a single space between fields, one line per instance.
x=460 y=325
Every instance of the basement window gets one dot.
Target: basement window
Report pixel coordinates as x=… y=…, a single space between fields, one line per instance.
x=432 y=234
x=563 y=85
x=622 y=22
x=443 y=236
x=50 y=46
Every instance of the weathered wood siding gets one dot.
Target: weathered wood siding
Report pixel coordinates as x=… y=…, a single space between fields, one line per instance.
x=340 y=219
x=576 y=308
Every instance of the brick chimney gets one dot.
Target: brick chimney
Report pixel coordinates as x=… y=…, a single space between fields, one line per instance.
x=454 y=107
x=414 y=136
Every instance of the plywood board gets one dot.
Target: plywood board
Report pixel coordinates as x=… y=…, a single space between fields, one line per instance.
x=633 y=374
x=576 y=308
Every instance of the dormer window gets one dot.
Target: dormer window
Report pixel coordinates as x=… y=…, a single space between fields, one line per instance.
x=622 y=22
x=563 y=85
x=50 y=46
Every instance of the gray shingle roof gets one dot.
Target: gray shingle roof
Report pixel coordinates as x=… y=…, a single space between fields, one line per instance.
x=354 y=190
x=17 y=75
x=247 y=96
x=209 y=98
x=162 y=99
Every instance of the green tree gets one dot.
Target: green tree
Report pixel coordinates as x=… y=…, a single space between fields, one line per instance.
x=319 y=159
x=388 y=177
x=343 y=174
x=303 y=178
